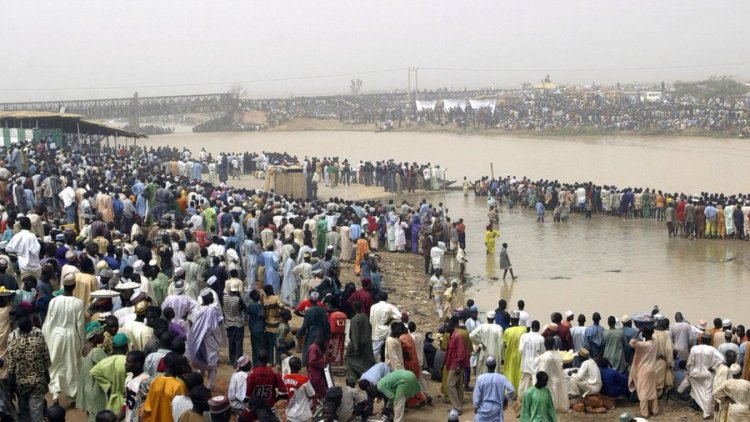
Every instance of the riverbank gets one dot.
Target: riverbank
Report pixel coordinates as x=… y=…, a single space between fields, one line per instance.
x=408 y=289
x=335 y=125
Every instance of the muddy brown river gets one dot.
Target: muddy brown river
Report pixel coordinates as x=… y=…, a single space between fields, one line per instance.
x=605 y=264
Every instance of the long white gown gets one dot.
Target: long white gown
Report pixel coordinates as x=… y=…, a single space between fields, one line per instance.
x=490 y=337
x=551 y=363
x=63 y=331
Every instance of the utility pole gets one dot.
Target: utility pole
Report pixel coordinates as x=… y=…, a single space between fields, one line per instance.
x=408 y=78
x=416 y=82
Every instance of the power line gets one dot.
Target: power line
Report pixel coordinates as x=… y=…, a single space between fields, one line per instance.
x=250 y=82
x=381 y=71
x=590 y=69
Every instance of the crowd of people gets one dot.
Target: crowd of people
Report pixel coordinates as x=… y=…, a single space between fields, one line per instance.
x=125 y=275
x=524 y=110
x=124 y=272
x=698 y=216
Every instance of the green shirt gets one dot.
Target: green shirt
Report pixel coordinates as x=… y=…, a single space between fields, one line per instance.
x=110 y=374
x=398 y=383
x=538 y=406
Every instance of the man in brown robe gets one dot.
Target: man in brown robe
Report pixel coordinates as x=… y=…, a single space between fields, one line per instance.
x=664 y=358
x=643 y=372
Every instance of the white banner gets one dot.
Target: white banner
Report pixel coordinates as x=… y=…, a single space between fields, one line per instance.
x=477 y=104
x=425 y=105
x=16 y=135
x=449 y=104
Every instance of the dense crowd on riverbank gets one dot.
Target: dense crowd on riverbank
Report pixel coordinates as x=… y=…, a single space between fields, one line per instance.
x=523 y=111
x=139 y=262
x=133 y=269
x=703 y=215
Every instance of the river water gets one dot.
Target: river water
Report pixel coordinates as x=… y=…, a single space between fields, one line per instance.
x=605 y=264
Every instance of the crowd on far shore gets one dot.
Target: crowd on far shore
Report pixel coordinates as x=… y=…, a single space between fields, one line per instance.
x=522 y=110
x=702 y=216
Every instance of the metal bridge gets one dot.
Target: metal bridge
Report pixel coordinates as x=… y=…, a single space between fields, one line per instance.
x=134 y=107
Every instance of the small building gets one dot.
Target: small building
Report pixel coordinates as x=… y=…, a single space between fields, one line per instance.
x=33 y=126
x=286 y=180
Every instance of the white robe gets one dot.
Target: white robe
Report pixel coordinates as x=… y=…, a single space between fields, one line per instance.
x=290 y=286
x=63 y=331
x=551 y=363
x=346 y=245
x=729 y=219
x=738 y=390
x=702 y=359
x=183 y=307
x=399 y=229
x=471 y=325
x=587 y=380
x=531 y=346
x=490 y=338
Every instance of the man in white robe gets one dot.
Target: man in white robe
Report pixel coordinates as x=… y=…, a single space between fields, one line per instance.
x=290 y=285
x=400 y=235
x=551 y=363
x=26 y=247
x=737 y=393
x=381 y=315
x=701 y=363
x=205 y=337
x=181 y=304
x=193 y=277
x=488 y=338
x=531 y=346
x=346 y=244
x=584 y=380
x=137 y=331
x=63 y=331
x=303 y=273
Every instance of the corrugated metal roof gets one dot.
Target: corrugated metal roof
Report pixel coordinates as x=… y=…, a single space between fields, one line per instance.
x=86 y=126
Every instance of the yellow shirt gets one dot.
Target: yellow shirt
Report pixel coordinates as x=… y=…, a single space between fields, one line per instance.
x=158 y=405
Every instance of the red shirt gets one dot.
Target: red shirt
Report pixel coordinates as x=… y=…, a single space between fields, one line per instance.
x=293 y=382
x=307 y=303
x=200 y=237
x=365 y=298
x=457 y=356
x=265 y=383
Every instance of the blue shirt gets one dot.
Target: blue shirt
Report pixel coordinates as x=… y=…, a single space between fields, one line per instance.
x=354 y=231
x=595 y=339
x=375 y=373
x=614 y=384
x=490 y=391
x=710 y=212
x=539 y=208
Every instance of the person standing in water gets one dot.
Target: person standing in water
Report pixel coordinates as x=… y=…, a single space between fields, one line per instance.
x=505 y=262
x=489 y=239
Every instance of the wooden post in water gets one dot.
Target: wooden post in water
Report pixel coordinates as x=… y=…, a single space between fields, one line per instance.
x=492 y=171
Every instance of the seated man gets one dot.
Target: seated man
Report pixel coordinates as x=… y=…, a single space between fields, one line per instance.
x=584 y=380
x=680 y=373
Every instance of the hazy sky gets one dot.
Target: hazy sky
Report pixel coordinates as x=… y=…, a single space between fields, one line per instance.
x=75 y=49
